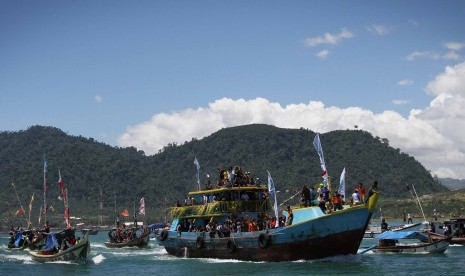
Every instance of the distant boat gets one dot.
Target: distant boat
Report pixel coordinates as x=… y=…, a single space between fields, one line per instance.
x=76 y=253
x=27 y=239
x=140 y=241
x=389 y=243
x=453 y=228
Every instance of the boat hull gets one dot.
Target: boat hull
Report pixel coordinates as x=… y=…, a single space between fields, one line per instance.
x=77 y=253
x=339 y=233
x=423 y=248
x=141 y=241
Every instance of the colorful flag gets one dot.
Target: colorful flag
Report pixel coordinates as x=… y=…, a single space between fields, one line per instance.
x=142 y=207
x=319 y=150
x=30 y=203
x=125 y=213
x=272 y=191
x=342 y=184
x=20 y=212
x=197 y=164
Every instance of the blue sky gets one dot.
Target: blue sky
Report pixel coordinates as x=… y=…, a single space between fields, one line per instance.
x=148 y=73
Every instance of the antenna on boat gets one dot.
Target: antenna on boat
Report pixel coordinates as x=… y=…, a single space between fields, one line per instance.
x=419 y=203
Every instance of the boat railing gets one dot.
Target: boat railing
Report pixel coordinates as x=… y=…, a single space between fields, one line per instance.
x=220 y=207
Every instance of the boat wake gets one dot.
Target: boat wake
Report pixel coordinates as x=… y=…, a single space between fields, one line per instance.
x=98 y=259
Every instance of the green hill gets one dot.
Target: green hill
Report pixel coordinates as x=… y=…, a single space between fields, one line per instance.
x=118 y=177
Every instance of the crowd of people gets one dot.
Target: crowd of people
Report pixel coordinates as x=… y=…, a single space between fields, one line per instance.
x=327 y=203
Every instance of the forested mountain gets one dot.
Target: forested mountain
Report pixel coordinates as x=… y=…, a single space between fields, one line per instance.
x=119 y=177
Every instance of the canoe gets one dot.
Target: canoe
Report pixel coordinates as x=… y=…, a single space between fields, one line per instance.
x=140 y=241
x=77 y=253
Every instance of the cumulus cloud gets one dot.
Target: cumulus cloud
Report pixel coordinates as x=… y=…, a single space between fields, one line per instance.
x=378 y=29
x=98 y=98
x=452 y=52
x=405 y=82
x=430 y=134
x=323 y=54
x=329 y=38
x=399 y=102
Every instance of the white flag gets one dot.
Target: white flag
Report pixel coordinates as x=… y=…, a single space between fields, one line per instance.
x=342 y=184
x=142 y=207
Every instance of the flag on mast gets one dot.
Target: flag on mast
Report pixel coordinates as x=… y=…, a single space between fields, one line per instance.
x=65 y=199
x=30 y=207
x=197 y=164
x=319 y=150
x=342 y=184
x=142 y=207
x=272 y=191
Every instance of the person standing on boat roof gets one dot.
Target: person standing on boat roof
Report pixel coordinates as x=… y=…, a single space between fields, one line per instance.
x=290 y=216
x=409 y=219
x=373 y=190
x=384 y=226
x=361 y=191
x=306 y=196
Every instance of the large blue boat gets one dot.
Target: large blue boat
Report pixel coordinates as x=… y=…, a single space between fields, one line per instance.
x=218 y=228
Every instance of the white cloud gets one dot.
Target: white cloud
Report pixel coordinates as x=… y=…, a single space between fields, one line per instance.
x=379 y=30
x=430 y=135
x=423 y=54
x=323 y=54
x=454 y=46
x=328 y=38
x=98 y=98
x=400 y=102
x=405 y=82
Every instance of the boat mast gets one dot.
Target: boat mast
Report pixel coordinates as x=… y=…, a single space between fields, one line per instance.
x=45 y=190
x=421 y=208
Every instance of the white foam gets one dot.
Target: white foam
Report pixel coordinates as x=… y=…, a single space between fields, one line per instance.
x=98 y=259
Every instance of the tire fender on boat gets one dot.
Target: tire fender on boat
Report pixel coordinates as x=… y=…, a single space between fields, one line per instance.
x=264 y=240
x=231 y=246
x=199 y=242
x=164 y=235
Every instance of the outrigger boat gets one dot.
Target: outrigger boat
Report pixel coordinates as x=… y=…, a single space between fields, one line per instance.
x=140 y=241
x=389 y=243
x=77 y=253
x=312 y=234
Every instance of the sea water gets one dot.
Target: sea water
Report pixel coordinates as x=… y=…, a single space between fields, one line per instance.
x=154 y=260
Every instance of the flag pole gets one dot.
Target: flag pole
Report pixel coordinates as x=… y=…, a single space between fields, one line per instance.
x=45 y=190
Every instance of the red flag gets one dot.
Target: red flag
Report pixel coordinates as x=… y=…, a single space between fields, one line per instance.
x=20 y=212
x=125 y=213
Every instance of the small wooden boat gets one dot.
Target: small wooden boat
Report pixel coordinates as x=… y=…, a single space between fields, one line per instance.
x=454 y=228
x=76 y=253
x=389 y=243
x=22 y=240
x=140 y=241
